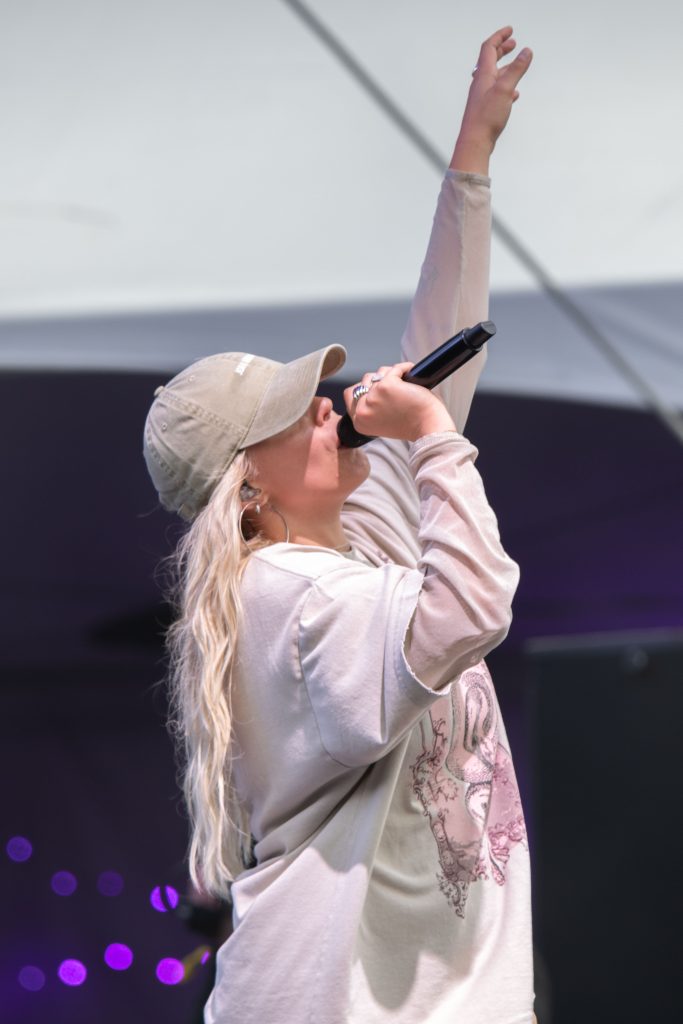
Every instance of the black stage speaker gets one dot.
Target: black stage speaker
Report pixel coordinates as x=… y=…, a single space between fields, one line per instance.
x=607 y=735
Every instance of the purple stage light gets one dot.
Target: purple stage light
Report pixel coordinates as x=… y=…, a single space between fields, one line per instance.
x=163 y=898
x=63 y=883
x=118 y=956
x=205 y=956
x=170 y=971
x=110 y=883
x=19 y=849
x=31 y=978
x=72 y=972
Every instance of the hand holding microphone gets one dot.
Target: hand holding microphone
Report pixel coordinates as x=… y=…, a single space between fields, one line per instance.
x=388 y=404
x=385 y=404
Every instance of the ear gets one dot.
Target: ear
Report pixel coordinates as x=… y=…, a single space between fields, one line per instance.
x=247 y=492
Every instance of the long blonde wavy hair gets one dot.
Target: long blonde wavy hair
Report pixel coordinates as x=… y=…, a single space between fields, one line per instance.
x=206 y=569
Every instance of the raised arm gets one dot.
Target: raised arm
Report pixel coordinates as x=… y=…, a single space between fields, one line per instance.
x=453 y=288
x=452 y=293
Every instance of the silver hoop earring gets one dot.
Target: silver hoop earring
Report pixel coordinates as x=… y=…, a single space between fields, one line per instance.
x=257 y=508
x=240 y=521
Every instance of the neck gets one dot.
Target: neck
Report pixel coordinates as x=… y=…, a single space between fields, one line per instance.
x=338 y=541
x=324 y=533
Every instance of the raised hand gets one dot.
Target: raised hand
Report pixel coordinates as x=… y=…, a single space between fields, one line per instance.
x=490 y=99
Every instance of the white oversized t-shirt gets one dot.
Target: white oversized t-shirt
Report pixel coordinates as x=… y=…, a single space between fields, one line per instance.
x=392 y=881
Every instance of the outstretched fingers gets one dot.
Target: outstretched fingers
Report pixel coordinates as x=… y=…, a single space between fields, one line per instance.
x=497 y=46
x=513 y=72
x=499 y=37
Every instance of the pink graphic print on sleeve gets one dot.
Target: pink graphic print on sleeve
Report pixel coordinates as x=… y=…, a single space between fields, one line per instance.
x=466 y=784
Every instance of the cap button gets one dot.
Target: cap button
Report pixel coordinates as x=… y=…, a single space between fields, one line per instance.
x=158 y=390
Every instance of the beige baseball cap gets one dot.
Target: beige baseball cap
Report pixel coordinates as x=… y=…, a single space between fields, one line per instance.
x=219 y=405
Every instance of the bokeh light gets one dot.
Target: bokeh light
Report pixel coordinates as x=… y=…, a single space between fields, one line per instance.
x=72 y=972
x=164 y=898
x=31 y=978
x=205 y=956
x=19 y=849
x=118 y=956
x=110 y=883
x=63 y=883
x=170 y=971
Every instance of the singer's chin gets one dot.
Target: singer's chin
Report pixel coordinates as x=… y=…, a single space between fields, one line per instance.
x=355 y=465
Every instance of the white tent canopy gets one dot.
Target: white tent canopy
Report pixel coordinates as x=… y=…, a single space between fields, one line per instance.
x=181 y=177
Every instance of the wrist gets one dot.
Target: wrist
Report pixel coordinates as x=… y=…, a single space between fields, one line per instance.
x=439 y=421
x=472 y=153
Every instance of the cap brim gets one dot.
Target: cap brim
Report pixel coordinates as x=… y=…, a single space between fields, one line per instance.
x=291 y=391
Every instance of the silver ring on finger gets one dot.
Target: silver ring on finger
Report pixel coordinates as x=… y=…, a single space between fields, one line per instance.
x=359 y=391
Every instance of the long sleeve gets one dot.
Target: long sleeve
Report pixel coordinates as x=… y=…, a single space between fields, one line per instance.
x=453 y=289
x=378 y=645
x=452 y=293
x=464 y=607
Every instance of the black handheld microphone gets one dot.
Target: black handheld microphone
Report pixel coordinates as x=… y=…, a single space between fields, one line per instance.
x=430 y=371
